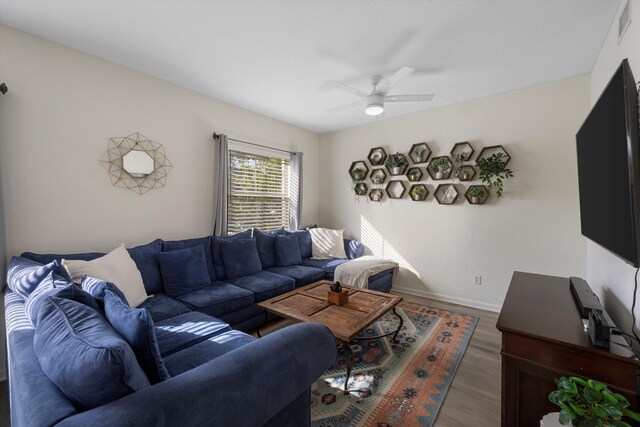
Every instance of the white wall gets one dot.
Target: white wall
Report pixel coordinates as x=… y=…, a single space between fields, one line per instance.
x=607 y=274
x=55 y=122
x=533 y=227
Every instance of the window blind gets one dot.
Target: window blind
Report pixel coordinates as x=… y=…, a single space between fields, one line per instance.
x=259 y=191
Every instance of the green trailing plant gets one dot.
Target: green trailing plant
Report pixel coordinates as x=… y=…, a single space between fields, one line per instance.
x=440 y=164
x=588 y=403
x=358 y=174
x=360 y=189
x=477 y=192
x=418 y=191
x=397 y=160
x=494 y=171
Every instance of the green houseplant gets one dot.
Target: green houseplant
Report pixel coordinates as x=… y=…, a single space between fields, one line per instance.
x=588 y=403
x=417 y=192
x=440 y=166
x=414 y=174
x=360 y=189
x=358 y=174
x=378 y=177
x=419 y=153
x=395 y=162
x=494 y=171
x=477 y=194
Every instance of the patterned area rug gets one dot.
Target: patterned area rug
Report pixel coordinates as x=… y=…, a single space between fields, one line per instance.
x=395 y=384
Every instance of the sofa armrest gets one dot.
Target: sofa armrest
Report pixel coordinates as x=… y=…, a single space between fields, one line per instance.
x=353 y=248
x=245 y=387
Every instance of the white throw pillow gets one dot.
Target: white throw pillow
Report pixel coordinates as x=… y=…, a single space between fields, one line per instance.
x=327 y=243
x=116 y=267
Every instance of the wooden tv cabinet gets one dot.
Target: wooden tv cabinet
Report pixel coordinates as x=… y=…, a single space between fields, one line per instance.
x=543 y=338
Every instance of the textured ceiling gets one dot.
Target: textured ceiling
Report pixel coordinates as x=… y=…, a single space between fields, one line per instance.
x=274 y=57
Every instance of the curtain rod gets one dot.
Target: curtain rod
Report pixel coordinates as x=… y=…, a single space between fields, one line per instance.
x=215 y=135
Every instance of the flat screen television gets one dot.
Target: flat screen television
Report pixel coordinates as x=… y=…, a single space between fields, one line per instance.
x=609 y=168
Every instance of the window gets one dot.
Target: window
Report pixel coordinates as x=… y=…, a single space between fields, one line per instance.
x=259 y=191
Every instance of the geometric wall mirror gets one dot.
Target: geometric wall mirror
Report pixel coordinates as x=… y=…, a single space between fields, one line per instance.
x=136 y=163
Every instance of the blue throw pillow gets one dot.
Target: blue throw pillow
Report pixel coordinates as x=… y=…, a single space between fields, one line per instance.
x=240 y=257
x=205 y=242
x=216 y=243
x=24 y=275
x=81 y=353
x=136 y=327
x=147 y=262
x=55 y=286
x=304 y=242
x=266 y=242
x=97 y=287
x=287 y=251
x=184 y=270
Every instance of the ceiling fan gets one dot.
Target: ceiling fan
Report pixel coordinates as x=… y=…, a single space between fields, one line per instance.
x=375 y=100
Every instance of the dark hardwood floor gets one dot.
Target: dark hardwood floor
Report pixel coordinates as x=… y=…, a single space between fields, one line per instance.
x=4 y=403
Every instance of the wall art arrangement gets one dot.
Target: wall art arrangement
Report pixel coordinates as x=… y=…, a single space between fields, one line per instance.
x=396 y=175
x=136 y=163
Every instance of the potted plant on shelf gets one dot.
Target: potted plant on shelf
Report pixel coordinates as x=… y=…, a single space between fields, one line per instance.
x=477 y=194
x=590 y=403
x=460 y=172
x=419 y=152
x=358 y=174
x=396 y=162
x=414 y=174
x=494 y=171
x=417 y=192
x=377 y=178
x=376 y=195
x=440 y=166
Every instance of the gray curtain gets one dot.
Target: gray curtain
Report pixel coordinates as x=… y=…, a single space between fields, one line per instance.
x=295 y=210
x=221 y=192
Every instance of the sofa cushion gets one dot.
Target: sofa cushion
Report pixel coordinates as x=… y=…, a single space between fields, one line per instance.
x=24 y=275
x=185 y=330
x=162 y=307
x=47 y=258
x=116 y=267
x=173 y=245
x=328 y=265
x=287 y=251
x=327 y=243
x=240 y=257
x=184 y=270
x=303 y=275
x=266 y=243
x=56 y=286
x=82 y=354
x=147 y=262
x=216 y=247
x=265 y=285
x=218 y=299
x=304 y=242
x=136 y=327
x=205 y=351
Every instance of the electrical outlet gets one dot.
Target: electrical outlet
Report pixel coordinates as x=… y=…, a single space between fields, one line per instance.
x=477 y=280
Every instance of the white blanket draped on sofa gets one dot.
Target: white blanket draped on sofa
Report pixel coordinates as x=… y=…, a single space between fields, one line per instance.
x=356 y=272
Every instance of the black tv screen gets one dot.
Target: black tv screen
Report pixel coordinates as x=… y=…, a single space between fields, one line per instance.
x=608 y=168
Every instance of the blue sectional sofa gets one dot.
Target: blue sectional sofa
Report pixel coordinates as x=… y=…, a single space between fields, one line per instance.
x=214 y=373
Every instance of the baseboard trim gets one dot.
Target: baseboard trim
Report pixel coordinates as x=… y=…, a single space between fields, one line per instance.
x=447 y=298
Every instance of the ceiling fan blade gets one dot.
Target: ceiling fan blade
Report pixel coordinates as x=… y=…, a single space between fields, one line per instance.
x=347 y=88
x=344 y=107
x=388 y=83
x=409 y=98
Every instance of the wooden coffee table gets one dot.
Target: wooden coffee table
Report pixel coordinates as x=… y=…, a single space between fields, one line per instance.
x=346 y=322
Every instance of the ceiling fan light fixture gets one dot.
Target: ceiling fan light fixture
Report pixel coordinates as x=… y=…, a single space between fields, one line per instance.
x=374 y=109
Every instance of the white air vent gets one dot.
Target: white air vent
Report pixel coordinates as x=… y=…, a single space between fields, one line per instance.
x=624 y=21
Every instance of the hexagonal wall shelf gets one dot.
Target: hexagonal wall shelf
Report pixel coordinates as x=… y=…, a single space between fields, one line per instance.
x=414 y=174
x=378 y=176
x=487 y=151
x=443 y=165
x=358 y=170
x=361 y=189
x=420 y=153
x=477 y=198
x=418 y=192
x=395 y=189
x=465 y=173
x=377 y=156
x=462 y=148
x=376 y=195
x=446 y=194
